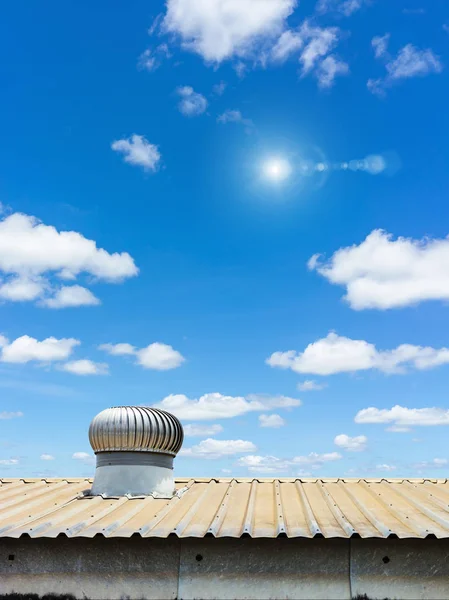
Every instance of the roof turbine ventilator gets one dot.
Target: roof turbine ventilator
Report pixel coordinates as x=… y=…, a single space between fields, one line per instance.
x=135 y=447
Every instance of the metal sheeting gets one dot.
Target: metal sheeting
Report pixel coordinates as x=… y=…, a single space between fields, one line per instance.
x=136 y=429
x=260 y=508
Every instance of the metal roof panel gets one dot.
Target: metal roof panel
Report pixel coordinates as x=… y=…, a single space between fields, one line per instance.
x=262 y=507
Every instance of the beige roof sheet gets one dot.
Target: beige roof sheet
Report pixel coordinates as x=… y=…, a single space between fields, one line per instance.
x=407 y=508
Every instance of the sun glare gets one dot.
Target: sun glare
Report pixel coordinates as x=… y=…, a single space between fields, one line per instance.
x=277 y=169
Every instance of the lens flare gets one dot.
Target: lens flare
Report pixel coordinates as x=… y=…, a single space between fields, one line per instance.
x=277 y=169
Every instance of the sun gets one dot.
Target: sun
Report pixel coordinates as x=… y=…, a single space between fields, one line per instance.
x=277 y=169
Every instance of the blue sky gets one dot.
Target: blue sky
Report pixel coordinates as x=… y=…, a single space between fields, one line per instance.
x=252 y=197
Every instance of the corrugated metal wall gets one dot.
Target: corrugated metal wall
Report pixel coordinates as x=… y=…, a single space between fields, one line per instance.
x=209 y=568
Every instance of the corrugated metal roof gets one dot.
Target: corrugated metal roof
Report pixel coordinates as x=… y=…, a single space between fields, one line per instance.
x=408 y=508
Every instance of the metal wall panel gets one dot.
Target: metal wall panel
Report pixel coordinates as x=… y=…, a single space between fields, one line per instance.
x=97 y=569
x=223 y=569
x=259 y=569
x=405 y=569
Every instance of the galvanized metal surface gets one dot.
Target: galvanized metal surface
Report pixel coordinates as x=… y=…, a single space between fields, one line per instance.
x=260 y=508
x=403 y=569
x=222 y=569
x=135 y=429
x=134 y=474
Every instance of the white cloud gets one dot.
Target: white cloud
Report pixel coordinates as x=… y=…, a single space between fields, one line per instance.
x=313 y=44
x=435 y=463
x=226 y=471
x=25 y=349
x=252 y=31
x=222 y=29
x=155 y=24
x=22 y=289
x=157 y=356
x=118 y=349
x=212 y=448
x=240 y=69
x=264 y=464
x=384 y=467
x=352 y=444
x=320 y=41
x=344 y=7
x=9 y=461
x=314 y=261
x=219 y=88
x=150 y=59
x=34 y=255
x=70 y=296
x=86 y=458
x=290 y=42
x=199 y=430
x=383 y=272
x=440 y=462
x=348 y=7
x=160 y=357
x=309 y=385
x=315 y=460
x=380 y=45
x=147 y=61
x=4 y=415
x=235 y=116
x=267 y=402
x=192 y=103
x=81 y=455
x=217 y=406
x=271 y=421
x=409 y=62
x=272 y=464
x=401 y=416
x=330 y=68
x=376 y=86
x=137 y=150
x=413 y=62
x=397 y=429
x=338 y=354
x=47 y=457
x=85 y=367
